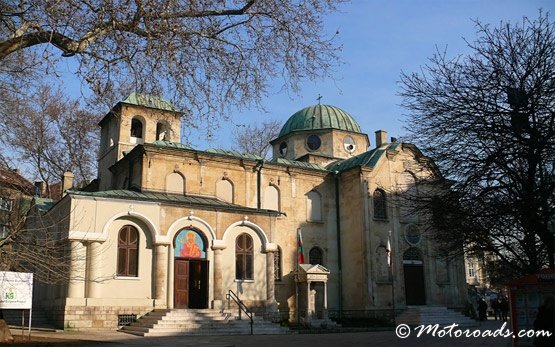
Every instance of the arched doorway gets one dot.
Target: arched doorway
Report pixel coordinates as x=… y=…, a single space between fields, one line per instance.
x=190 y=269
x=413 y=268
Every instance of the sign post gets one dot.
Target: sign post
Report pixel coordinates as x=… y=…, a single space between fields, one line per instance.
x=16 y=292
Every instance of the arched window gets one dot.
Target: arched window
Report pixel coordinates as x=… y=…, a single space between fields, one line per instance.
x=313 y=206
x=315 y=256
x=224 y=190
x=271 y=198
x=244 y=257
x=128 y=251
x=136 y=135
x=175 y=183
x=277 y=264
x=162 y=131
x=379 y=204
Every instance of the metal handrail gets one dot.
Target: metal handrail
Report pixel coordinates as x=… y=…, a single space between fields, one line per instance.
x=241 y=305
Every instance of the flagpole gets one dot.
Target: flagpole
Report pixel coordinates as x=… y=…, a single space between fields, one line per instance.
x=297 y=276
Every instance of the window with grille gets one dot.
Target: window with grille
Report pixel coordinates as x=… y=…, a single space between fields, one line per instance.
x=315 y=256
x=128 y=251
x=379 y=204
x=5 y=204
x=244 y=257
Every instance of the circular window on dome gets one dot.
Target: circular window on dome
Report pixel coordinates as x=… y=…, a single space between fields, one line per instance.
x=283 y=148
x=412 y=235
x=349 y=144
x=313 y=142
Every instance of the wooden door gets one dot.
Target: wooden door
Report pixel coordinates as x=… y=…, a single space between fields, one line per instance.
x=415 y=290
x=181 y=284
x=198 y=284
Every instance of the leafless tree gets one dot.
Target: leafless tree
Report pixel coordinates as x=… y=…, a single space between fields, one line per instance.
x=255 y=138
x=206 y=55
x=488 y=120
x=49 y=133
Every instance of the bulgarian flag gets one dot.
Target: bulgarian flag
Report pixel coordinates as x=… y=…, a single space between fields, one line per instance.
x=300 y=256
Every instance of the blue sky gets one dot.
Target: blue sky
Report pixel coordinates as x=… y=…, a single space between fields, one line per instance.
x=380 y=39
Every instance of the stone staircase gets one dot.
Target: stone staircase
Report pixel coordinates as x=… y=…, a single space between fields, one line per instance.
x=199 y=322
x=418 y=315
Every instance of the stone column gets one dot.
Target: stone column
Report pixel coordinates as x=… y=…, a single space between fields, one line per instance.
x=218 y=283
x=325 y=313
x=161 y=275
x=76 y=286
x=94 y=259
x=271 y=304
x=270 y=270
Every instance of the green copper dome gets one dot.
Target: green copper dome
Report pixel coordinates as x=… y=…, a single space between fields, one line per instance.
x=320 y=117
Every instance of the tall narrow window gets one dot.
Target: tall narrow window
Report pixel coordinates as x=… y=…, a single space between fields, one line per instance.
x=315 y=256
x=128 y=251
x=244 y=257
x=277 y=264
x=379 y=204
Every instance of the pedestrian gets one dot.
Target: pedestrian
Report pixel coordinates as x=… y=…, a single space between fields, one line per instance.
x=495 y=307
x=545 y=320
x=482 y=309
x=504 y=308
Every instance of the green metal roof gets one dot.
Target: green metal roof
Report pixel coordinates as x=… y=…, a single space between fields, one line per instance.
x=151 y=101
x=44 y=204
x=368 y=159
x=301 y=164
x=233 y=153
x=178 y=145
x=194 y=200
x=320 y=117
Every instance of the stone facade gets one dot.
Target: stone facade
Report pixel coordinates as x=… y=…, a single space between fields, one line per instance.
x=325 y=187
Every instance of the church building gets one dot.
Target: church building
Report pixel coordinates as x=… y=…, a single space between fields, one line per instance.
x=170 y=226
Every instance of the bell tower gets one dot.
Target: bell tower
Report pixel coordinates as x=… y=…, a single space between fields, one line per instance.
x=138 y=119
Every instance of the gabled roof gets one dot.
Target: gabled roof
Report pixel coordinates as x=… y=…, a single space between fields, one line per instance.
x=172 y=199
x=12 y=179
x=367 y=159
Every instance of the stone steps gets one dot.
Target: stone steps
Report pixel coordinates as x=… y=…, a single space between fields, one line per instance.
x=418 y=315
x=198 y=322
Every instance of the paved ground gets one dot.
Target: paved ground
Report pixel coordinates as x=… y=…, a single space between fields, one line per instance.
x=382 y=338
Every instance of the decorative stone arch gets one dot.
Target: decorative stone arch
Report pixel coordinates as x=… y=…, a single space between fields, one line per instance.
x=173 y=183
x=266 y=245
x=198 y=223
x=151 y=227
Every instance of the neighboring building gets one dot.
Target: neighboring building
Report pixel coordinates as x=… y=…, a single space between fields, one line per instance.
x=15 y=199
x=176 y=227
